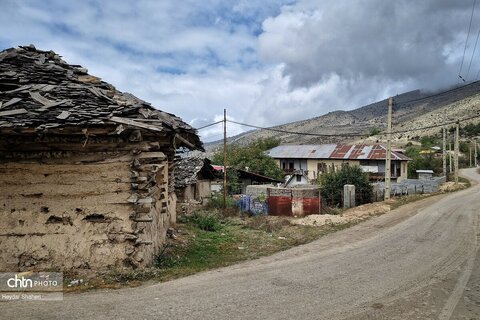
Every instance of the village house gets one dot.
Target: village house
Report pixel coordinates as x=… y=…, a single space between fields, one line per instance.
x=193 y=179
x=314 y=160
x=247 y=178
x=86 y=177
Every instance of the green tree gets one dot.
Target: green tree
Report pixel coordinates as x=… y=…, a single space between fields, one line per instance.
x=252 y=157
x=374 y=131
x=332 y=183
x=426 y=161
x=428 y=141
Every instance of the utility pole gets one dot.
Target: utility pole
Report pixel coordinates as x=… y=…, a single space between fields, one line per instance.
x=444 y=151
x=450 y=157
x=457 y=136
x=475 y=161
x=470 y=154
x=388 y=156
x=224 y=158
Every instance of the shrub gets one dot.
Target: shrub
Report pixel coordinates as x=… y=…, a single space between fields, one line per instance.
x=216 y=202
x=267 y=224
x=332 y=185
x=206 y=221
x=374 y=131
x=164 y=258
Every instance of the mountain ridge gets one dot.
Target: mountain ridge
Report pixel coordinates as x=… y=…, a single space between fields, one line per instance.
x=412 y=109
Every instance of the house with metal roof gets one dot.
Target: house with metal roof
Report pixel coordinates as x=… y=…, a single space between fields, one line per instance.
x=318 y=159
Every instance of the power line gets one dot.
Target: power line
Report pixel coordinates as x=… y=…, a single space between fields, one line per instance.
x=357 y=134
x=466 y=41
x=436 y=125
x=209 y=125
x=437 y=94
x=473 y=53
x=351 y=134
x=300 y=133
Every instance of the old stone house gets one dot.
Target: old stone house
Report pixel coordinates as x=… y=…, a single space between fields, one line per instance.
x=85 y=170
x=193 y=179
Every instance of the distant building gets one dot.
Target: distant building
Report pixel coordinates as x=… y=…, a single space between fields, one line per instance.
x=424 y=174
x=296 y=178
x=193 y=179
x=314 y=160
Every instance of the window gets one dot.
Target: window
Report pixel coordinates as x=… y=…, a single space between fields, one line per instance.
x=299 y=178
x=321 y=167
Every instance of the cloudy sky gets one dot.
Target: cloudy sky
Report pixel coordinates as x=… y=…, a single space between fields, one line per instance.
x=268 y=62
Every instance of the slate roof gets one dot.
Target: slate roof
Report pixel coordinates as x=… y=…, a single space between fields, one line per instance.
x=40 y=91
x=187 y=171
x=334 y=151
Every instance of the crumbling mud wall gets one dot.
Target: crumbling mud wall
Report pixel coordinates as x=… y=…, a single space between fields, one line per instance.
x=84 y=215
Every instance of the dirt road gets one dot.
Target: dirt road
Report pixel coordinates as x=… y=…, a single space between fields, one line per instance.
x=417 y=262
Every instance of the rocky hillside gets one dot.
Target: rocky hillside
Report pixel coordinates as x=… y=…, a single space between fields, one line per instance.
x=412 y=110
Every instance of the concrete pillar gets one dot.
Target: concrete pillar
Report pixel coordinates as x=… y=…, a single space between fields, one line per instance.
x=348 y=196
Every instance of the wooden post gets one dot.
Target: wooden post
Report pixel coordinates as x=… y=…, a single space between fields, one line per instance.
x=455 y=156
x=224 y=158
x=388 y=155
x=470 y=154
x=450 y=157
x=475 y=161
x=444 y=151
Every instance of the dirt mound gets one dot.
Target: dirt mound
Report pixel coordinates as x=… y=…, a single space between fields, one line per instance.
x=451 y=186
x=356 y=214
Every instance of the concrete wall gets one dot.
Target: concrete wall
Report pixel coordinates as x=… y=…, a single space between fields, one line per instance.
x=83 y=215
x=281 y=201
x=203 y=189
x=408 y=186
x=197 y=192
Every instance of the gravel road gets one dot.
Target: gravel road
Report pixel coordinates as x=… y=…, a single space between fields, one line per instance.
x=416 y=262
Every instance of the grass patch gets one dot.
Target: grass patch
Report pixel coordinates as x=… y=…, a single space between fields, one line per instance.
x=467 y=182
x=206 y=221
x=400 y=201
x=206 y=241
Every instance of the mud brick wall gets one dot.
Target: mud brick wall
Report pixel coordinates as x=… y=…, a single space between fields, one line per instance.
x=83 y=215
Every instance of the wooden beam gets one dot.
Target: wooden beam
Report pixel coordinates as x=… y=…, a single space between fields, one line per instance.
x=185 y=141
x=134 y=123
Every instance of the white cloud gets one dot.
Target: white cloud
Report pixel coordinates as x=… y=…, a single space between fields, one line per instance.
x=196 y=58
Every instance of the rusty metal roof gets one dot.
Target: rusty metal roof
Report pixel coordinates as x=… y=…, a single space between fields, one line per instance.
x=334 y=151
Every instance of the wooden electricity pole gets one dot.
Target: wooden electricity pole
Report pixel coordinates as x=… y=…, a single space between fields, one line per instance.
x=224 y=158
x=455 y=156
x=470 y=154
x=444 y=151
x=475 y=161
x=388 y=155
x=450 y=157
